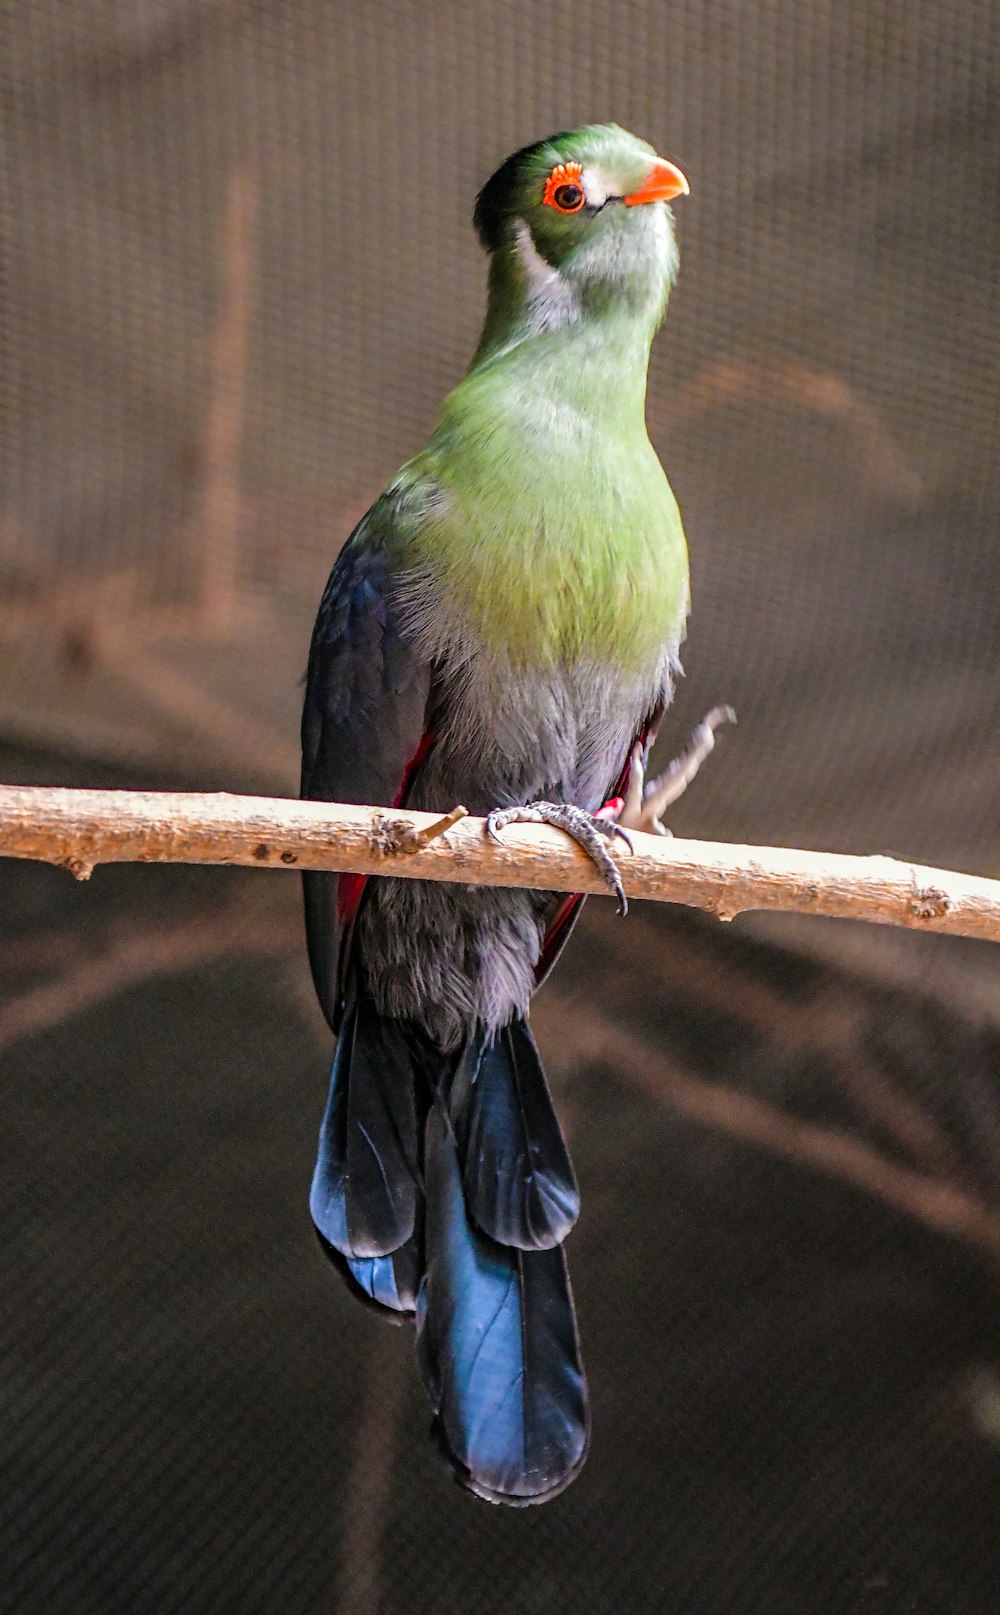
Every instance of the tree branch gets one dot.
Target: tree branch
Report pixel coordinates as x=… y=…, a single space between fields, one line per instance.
x=938 y=1201
x=79 y=829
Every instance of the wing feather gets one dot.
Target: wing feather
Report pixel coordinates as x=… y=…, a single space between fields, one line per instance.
x=364 y=719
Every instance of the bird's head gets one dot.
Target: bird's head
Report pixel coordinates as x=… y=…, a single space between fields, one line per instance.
x=579 y=223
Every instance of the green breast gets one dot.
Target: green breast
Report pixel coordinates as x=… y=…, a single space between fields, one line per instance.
x=556 y=533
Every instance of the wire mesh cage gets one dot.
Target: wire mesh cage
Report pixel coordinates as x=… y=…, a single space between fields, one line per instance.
x=239 y=278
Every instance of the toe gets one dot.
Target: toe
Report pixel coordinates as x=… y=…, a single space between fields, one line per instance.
x=496 y=821
x=588 y=831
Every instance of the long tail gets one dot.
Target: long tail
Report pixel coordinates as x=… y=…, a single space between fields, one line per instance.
x=443 y=1187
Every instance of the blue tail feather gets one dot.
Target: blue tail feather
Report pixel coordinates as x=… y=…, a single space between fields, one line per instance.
x=518 y=1178
x=498 y=1347
x=461 y=1221
x=364 y=1190
x=387 y=1284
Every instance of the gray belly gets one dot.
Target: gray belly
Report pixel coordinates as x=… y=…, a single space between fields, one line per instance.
x=446 y=956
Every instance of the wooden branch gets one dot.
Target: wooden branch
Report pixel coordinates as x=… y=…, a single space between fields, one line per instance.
x=829 y=1024
x=940 y=1202
x=133 y=953
x=215 y=530
x=80 y=829
x=823 y=392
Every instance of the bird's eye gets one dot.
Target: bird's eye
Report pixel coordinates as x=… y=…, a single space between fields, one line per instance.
x=563 y=188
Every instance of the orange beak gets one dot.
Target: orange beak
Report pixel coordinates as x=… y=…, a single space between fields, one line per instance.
x=662 y=184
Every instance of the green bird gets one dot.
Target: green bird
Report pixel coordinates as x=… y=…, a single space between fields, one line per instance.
x=502 y=630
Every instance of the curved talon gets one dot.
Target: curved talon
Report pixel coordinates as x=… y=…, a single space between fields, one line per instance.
x=584 y=828
x=609 y=869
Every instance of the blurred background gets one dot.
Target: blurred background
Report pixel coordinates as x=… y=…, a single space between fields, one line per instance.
x=239 y=275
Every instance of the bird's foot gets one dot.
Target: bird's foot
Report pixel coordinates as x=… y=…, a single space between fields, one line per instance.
x=645 y=803
x=588 y=830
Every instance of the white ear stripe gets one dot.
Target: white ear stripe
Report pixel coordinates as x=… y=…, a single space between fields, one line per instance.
x=541 y=276
x=552 y=301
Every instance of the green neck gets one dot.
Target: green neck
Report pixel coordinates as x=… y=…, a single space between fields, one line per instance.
x=585 y=305
x=594 y=367
x=557 y=534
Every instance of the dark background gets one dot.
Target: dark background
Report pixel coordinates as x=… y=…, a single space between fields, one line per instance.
x=239 y=275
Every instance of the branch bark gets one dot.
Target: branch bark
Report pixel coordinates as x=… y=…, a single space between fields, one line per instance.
x=79 y=829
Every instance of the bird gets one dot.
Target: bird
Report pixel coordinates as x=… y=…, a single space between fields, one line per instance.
x=501 y=629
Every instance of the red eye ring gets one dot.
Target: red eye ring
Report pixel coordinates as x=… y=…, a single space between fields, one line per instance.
x=564 y=188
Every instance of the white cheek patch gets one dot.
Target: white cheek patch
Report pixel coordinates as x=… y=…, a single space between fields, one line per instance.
x=597 y=187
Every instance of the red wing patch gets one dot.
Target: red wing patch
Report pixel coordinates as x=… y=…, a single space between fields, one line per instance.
x=350 y=887
x=553 y=940
x=416 y=762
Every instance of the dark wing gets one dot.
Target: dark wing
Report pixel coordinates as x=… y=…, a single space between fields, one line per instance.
x=364 y=721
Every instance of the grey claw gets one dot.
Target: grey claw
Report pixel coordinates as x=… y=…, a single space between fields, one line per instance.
x=587 y=831
x=623 y=835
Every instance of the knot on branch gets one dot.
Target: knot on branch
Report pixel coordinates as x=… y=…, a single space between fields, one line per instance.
x=78 y=868
x=929 y=903
x=390 y=836
x=393 y=836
